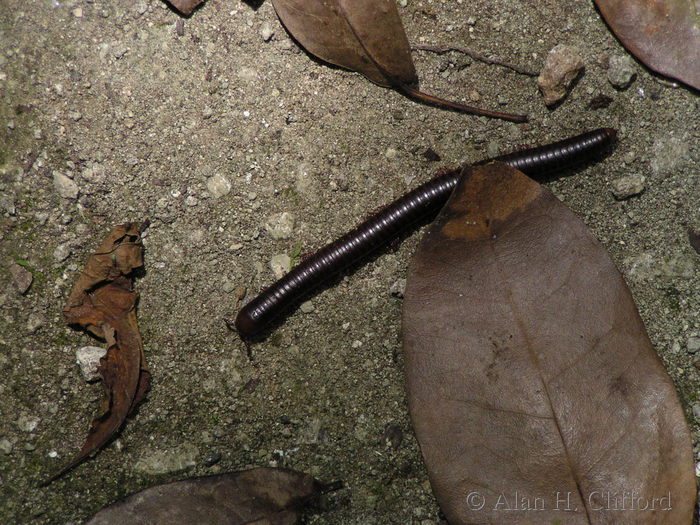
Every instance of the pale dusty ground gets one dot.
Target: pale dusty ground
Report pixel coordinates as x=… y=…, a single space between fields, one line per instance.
x=142 y=118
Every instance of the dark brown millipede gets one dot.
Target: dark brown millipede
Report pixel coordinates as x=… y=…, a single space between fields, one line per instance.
x=393 y=220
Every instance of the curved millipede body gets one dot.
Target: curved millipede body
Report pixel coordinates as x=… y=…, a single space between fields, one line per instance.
x=417 y=205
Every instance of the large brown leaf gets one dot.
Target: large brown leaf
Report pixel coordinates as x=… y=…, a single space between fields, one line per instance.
x=534 y=390
x=264 y=496
x=103 y=302
x=664 y=34
x=366 y=36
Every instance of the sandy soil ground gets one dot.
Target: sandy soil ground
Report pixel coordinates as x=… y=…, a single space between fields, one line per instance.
x=147 y=111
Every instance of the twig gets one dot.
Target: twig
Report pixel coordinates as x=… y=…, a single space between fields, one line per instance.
x=476 y=56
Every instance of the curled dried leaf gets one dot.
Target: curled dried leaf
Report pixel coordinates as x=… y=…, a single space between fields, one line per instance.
x=104 y=303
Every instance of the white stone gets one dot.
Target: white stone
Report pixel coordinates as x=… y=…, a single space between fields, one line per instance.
x=88 y=359
x=218 y=185
x=266 y=32
x=65 y=187
x=173 y=459
x=61 y=253
x=280 y=264
x=280 y=225
x=27 y=423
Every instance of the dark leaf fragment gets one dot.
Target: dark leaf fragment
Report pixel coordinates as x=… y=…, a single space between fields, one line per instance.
x=185 y=6
x=261 y=496
x=664 y=34
x=530 y=375
x=104 y=303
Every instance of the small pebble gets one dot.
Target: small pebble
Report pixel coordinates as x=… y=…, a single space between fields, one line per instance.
x=696 y=411
x=21 y=278
x=280 y=264
x=241 y=292
x=681 y=266
x=398 y=288
x=75 y=115
x=218 y=185
x=280 y=225
x=35 y=321
x=61 y=253
x=78 y=12
x=212 y=459
x=266 y=32
x=191 y=201
x=563 y=65
x=228 y=286
x=493 y=148
x=307 y=307
x=629 y=186
x=27 y=423
x=693 y=344
x=6 y=446
x=669 y=152
x=391 y=153
x=88 y=359
x=171 y=459
x=621 y=71
x=65 y=187
x=7 y=203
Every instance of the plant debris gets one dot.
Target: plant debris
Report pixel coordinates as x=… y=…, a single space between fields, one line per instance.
x=262 y=495
x=529 y=371
x=103 y=302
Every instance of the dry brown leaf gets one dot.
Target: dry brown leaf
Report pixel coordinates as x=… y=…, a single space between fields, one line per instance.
x=664 y=34
x=258 y=496
x=103 y=302
x=185 y=6
x=366 y=36
x=534 y=390
x=325 y=29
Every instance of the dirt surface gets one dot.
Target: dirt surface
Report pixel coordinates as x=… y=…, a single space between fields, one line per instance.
x=148 y=112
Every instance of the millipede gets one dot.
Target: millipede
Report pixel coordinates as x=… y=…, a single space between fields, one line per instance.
x=420 y=204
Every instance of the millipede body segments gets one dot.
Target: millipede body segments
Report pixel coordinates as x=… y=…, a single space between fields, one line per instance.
x=388 y=223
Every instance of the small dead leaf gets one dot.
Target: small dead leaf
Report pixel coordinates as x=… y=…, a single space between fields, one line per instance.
x=185 y=6
x=103 y=302
x=366 y=36
x=664 y=34
x=264 y=496
x=530 y=375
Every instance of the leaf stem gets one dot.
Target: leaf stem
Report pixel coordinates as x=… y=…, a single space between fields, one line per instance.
x=463 y=108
